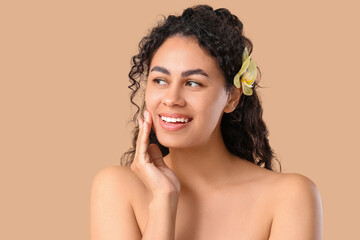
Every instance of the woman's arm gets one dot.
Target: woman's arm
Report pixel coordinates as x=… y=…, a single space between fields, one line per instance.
x=112 y=216
x=298 y=210
x=162 y=218
x=111 y=213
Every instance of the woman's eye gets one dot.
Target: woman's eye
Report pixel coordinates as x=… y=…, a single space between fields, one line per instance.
x=159 y=81
x=193 y=84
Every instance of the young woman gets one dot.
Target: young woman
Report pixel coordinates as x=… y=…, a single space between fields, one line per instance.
x=201 y=166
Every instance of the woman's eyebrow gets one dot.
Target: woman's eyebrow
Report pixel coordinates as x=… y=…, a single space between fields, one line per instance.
x=183 y=74
x=193 y=72
x=160 y=69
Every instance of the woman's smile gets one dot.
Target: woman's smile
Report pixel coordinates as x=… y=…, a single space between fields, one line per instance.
x=174 y=121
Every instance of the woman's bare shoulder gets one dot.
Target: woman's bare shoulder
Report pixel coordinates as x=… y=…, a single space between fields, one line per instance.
x=295 y=179
x=280 y=181
x=286 y=184
x=113 y=172
x=282 y=186
x=297 y=207
x=117 y=176
x=111 y=211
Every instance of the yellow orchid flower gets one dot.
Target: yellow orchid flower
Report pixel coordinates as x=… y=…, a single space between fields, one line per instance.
x=247 y=74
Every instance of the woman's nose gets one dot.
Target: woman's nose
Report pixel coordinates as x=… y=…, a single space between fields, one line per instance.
x=173 y=97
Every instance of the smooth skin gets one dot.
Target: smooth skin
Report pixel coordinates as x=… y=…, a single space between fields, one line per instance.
x=200 y=190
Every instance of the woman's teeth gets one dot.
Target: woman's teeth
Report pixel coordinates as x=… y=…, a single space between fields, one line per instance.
x=168 y=119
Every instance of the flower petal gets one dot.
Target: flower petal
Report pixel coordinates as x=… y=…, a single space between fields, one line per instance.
x=248 y=79
x=252 y=69
x=248 y=84
x=237 y=80
x=244 y=66
x=245 y=54
x=246 y=90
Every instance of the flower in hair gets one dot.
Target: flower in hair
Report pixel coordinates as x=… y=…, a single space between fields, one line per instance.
x=247 y=74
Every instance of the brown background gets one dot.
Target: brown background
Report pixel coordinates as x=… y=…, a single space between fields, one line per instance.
x=65 y=102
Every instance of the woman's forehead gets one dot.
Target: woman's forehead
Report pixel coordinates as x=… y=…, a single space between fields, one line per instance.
x=180 y=53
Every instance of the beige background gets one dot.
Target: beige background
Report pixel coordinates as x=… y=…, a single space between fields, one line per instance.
x=65 y=102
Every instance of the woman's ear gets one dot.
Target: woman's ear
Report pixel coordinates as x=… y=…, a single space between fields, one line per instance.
x=233 y=99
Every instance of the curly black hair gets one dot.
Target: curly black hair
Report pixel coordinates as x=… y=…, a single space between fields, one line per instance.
x=220 y=33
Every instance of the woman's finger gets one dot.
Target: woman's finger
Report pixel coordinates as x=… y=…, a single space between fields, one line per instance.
x=138 y=140
x=156 y=155
x=148 y=118
x=144 y=140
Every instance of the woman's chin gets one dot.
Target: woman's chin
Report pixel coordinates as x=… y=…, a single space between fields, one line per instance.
x=173 y=143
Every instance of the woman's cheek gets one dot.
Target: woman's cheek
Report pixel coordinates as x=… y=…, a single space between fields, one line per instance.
x=150 y=99
x=153 y=101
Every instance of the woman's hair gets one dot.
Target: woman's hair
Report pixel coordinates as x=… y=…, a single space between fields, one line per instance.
x=220 y=33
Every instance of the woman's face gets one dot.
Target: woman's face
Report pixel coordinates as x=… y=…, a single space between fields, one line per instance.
x=185 y=85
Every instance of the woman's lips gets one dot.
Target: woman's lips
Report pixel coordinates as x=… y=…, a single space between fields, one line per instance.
x=173 y=126
x=175 y=115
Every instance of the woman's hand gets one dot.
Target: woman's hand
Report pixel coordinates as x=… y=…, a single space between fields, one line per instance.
x=149 y=164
